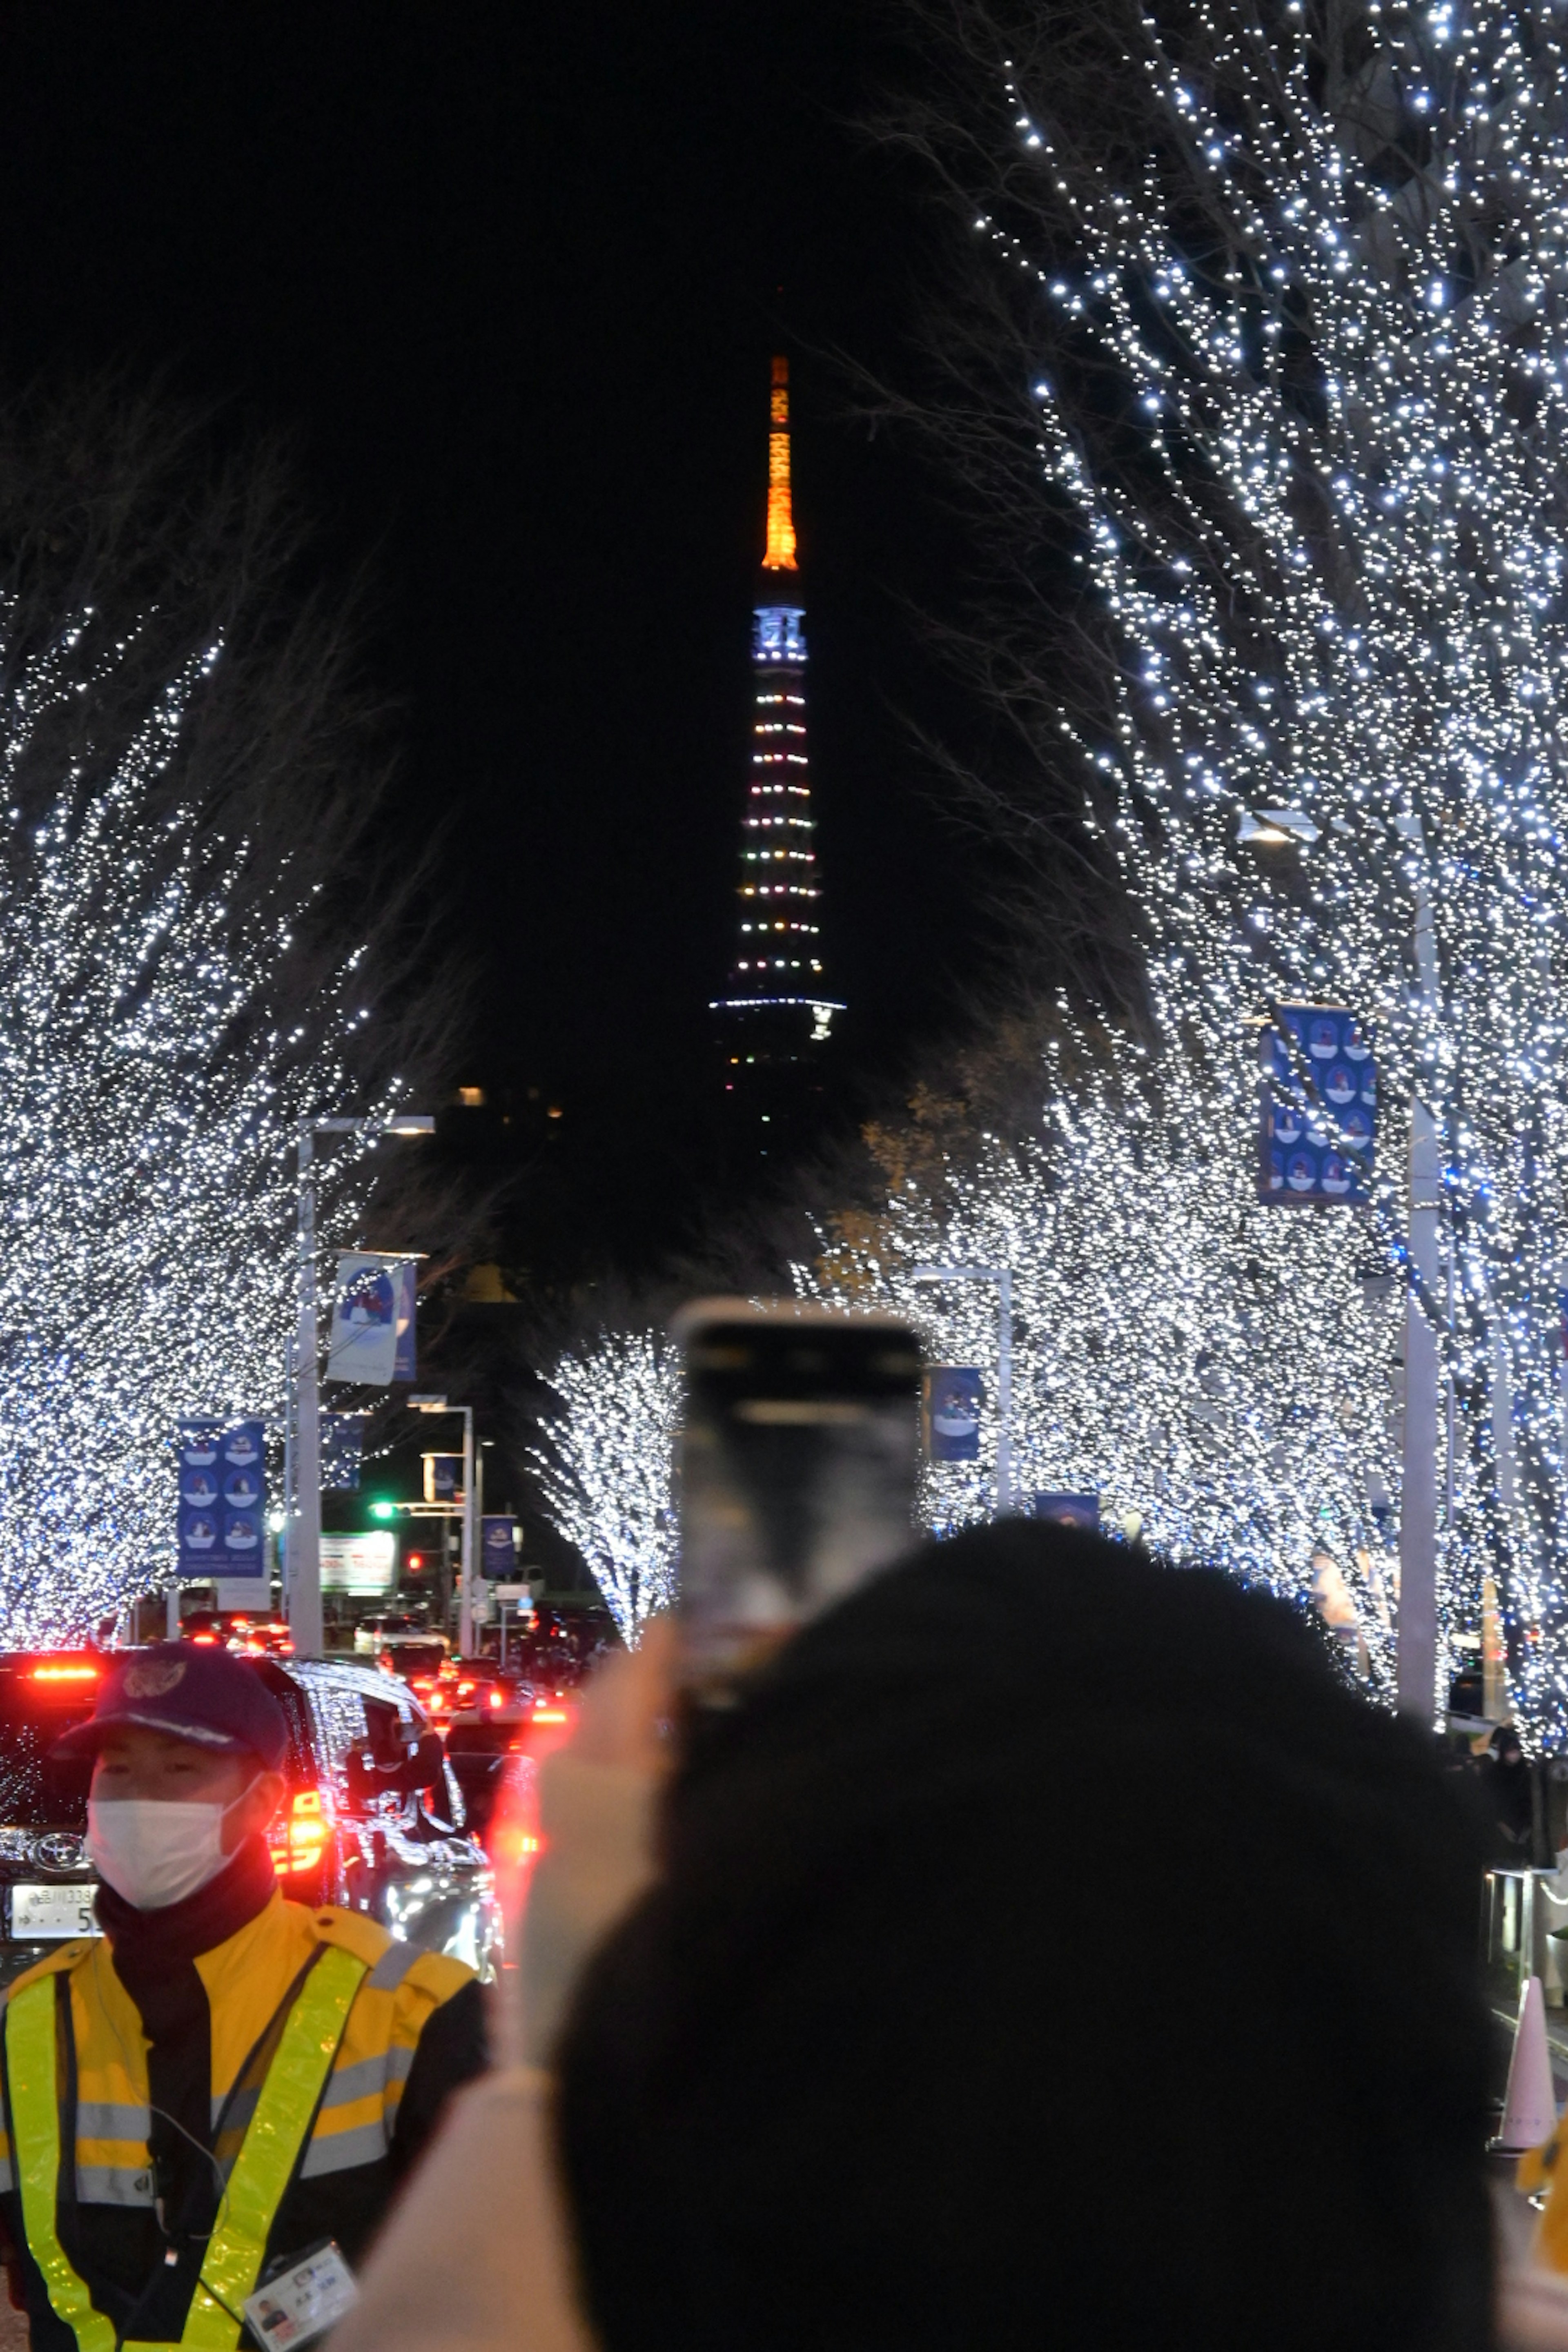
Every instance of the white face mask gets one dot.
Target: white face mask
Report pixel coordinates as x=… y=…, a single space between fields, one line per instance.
x=155 y=1850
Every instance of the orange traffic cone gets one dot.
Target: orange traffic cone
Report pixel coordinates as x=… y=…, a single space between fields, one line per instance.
x=1530 y=2108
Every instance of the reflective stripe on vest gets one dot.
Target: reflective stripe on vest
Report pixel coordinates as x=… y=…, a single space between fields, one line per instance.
x=30 y=2067
x=269 y=2154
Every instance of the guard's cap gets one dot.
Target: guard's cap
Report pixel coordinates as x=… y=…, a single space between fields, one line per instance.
x=200 y=1694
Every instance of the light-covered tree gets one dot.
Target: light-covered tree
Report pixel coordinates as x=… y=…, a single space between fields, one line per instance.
x=606 y=1470
x=1283 y=300
x=1216 y=1372
x=153 y=1069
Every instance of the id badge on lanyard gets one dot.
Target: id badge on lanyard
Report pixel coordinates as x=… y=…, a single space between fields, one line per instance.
x=302 y=2301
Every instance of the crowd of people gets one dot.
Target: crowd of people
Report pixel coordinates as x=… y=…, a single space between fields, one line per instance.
x=1046 y=1942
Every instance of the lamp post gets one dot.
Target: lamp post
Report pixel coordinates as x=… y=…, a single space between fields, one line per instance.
x=1415 y=1671
x=1002 y=1275
x=473 y=1470
x=304 y=1583
x=1417 y=1667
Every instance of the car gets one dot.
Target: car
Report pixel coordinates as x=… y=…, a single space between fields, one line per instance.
x=372 y=1633
x=261 y=1635
x=373 y=1818
x=491 y=1716
x=413 y=1654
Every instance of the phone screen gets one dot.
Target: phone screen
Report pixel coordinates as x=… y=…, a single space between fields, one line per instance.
x=799 y=1456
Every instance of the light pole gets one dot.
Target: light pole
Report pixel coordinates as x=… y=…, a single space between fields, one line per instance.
x=1002 y=1275
x=1416 y=1669
x=472 y=1471
x=304 y=1581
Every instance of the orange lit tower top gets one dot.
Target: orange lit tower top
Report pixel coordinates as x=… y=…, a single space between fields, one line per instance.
x=776 y=1013
x=780 y=553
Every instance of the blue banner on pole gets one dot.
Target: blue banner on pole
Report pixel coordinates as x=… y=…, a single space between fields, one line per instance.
x=498 y=1549
x=1317 y=1100
x=1068 y=1510
x=951 y=1399
x=443 y=1477
x=223 y=1497
x=343 y=1451
x=405 y=1283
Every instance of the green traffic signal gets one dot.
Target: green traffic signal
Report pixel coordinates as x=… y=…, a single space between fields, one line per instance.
x=382 y=1510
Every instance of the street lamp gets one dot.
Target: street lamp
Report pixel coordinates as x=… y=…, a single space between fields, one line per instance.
x=1415 y=1670
x=304 y=1557
x=473 y=1474
x=1002 y=1275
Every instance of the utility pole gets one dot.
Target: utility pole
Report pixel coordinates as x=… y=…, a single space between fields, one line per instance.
x=303 y=1587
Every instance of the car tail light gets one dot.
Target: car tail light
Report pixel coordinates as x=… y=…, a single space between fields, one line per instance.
x=497 y=1697
x=300 y=1836
x=66 y=1673
x=548 y=1713
x=203 y=1641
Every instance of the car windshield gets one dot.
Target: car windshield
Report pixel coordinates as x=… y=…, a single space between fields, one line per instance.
x=38 y=1702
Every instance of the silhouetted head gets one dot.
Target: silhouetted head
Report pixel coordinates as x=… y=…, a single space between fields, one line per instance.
x=1050 y=1950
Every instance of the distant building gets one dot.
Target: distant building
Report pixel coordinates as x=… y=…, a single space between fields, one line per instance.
x=775 y=1015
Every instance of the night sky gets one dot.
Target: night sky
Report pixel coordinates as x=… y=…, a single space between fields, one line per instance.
x=512 y=277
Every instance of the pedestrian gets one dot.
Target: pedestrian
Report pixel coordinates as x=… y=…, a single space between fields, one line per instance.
x=910 y=2043
x=1505 y=1794
x=225 y=2080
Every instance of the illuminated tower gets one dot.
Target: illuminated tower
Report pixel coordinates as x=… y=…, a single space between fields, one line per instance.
x=775 y=1015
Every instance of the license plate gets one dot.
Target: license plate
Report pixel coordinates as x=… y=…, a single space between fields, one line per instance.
x=40 y=1911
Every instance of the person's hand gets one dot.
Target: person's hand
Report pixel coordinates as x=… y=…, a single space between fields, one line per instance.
x=625 y=1701
x=594 y=1823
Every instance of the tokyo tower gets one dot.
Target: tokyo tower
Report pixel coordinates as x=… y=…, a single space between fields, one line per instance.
x=776 y=1014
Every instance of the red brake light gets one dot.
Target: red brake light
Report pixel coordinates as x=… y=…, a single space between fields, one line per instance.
x=66 y=1673
x=204 y=1641
x=498 y=1696
x=300 y=1837
x=550 y=1714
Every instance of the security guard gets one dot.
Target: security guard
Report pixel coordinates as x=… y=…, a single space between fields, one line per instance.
x=233 y=2080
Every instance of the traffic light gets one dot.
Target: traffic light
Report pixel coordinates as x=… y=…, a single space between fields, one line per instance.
x=382 y=1510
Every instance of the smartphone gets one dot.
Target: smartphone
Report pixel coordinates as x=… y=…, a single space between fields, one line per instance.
x=799 y=1457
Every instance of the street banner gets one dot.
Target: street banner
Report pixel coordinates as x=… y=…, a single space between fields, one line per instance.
x=443 y=1477
x=404 y=1282
x=1317 y=1108
x=343 y=1451
x=365 y=1565
x=364 y=1342
x=1068 y=1510
x=497 y=1547
x=222 y=1518
x=951 y=1399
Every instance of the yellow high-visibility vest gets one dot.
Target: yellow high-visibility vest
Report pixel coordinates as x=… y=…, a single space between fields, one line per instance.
x=36 y=2015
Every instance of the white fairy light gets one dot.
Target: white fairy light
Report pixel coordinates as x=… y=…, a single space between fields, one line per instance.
x=1338 y=584
x=607 y=1470
x=149 y=1103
